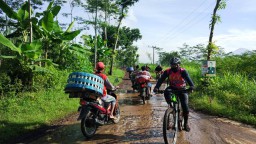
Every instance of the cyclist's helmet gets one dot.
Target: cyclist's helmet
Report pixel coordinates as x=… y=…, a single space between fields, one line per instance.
x=175 y=61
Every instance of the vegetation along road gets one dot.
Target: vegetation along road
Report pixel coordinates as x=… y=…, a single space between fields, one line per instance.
x=143 y=124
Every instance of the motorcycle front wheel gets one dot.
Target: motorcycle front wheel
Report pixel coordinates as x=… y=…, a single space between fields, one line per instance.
x=88 y=125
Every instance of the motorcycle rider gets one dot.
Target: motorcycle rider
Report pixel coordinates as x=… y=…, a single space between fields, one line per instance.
x=107 y=86
x=133 y=76
x=158 y=69
x=177 y=77
x=146 y=75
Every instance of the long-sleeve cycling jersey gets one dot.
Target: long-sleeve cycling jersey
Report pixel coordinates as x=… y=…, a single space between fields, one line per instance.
x=167 y=72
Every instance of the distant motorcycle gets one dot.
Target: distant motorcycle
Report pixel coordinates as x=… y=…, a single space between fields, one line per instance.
x=93 y=111
x=142 y=85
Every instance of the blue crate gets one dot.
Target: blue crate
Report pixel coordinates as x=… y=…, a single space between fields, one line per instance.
x=84 y=82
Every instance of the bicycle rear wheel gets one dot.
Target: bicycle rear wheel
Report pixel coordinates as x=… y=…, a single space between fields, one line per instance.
x=170 y=128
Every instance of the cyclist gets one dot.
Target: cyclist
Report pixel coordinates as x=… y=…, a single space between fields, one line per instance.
x=177 y=77
x=107 y=86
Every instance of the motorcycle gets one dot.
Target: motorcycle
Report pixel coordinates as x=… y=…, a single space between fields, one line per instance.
x=142 y=85
x=94 y=113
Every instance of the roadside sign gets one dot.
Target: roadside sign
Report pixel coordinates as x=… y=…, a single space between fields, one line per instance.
x=208 y=68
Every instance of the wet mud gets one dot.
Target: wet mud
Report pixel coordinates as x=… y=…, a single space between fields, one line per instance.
x=143 y=124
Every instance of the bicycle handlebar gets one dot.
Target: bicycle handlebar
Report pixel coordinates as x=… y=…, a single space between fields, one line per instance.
x=174 y=91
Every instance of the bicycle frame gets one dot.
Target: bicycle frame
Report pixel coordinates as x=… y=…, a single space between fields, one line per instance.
x=173 y=113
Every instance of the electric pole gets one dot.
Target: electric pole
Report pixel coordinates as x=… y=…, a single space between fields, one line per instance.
x=155 y=48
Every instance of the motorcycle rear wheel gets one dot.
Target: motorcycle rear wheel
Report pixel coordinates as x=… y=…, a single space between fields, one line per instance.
x=88 y=125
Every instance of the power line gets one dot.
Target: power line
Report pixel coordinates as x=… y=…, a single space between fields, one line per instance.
x=180 y=24
x=189 y=24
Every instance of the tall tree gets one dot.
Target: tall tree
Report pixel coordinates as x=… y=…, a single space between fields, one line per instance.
x=126 y=52
x=220 y=4
x=164 y=57
x=123 y=10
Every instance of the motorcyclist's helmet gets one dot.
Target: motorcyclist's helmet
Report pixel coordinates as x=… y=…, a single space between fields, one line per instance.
x=100 y=66
x=137 y=67
x=175 y=61
x=143 y=68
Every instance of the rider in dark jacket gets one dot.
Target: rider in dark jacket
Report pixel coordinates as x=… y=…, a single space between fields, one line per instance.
x=178 y=77
x=158 y=68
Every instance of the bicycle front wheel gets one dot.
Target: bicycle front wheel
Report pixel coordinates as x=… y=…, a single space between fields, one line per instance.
x=170 y=127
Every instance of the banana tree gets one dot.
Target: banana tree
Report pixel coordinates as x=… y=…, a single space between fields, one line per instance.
x=25 y=52
x=103 y=52
x=48 y=36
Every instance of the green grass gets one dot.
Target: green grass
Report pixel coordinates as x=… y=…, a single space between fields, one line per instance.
x=27 y=111
x=229 y=95
x=117 y=76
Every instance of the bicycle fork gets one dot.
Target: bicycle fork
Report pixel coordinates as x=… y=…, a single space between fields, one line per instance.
x=176 y=117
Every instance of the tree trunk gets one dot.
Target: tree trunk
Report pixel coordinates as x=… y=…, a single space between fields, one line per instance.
x=118 y=28
x=212 y=29
x=95 y=30
x=106 y=16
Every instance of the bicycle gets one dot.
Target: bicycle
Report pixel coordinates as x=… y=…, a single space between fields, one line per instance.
x=173 y=121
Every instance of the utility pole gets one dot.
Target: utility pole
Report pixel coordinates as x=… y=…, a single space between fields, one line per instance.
x=154 y=48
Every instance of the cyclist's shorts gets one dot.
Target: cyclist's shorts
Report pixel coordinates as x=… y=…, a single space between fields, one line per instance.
x=149 y=84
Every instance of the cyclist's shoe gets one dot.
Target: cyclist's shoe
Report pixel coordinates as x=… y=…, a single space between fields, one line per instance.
x=187 y=128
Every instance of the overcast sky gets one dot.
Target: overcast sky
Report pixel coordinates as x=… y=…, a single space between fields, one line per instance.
x=169 y=24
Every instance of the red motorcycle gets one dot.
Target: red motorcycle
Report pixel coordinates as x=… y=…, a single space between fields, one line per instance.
x=94 y=113
x=142 y=86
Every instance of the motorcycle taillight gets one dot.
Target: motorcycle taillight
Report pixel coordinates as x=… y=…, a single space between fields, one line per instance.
x=82 y=102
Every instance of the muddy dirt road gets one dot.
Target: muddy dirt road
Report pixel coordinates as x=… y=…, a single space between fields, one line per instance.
x=143 y=124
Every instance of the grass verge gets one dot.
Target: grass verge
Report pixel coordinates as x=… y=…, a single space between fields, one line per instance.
x=25 y=112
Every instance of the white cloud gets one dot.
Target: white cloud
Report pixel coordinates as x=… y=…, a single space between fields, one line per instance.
x=160 y=24
x=236 y=38
x=131 y=19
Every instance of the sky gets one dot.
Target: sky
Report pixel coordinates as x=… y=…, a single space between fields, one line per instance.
x=169 y=24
